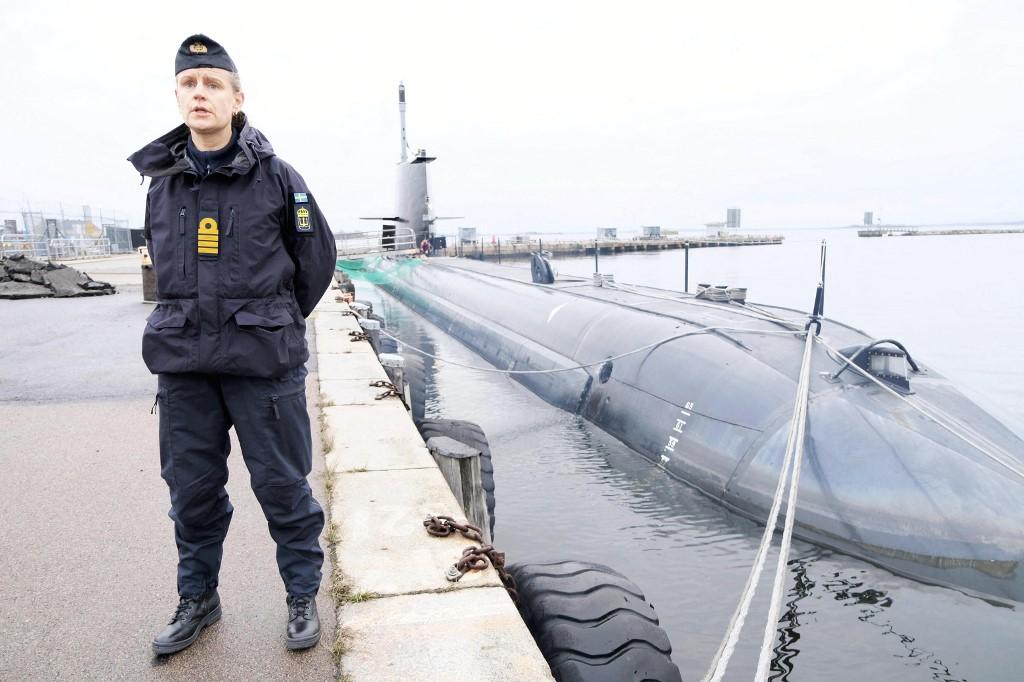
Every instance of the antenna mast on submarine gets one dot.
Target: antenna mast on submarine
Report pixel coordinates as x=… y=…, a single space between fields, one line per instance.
x=401 y=114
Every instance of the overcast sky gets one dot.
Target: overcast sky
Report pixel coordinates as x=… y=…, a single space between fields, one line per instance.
x=549 y=116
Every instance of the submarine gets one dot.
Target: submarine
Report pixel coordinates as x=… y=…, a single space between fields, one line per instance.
x=900 y=468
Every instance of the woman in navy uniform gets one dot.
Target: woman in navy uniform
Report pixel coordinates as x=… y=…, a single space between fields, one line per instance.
x=242 y=254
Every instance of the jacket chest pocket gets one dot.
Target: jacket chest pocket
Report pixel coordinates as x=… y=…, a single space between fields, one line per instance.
x=168 y=239
x=256 y=248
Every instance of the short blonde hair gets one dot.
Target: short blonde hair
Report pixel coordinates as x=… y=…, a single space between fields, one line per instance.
x=238 y=120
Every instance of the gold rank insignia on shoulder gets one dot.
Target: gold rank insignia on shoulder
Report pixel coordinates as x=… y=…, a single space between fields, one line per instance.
x=197 y=48
x=209 y=238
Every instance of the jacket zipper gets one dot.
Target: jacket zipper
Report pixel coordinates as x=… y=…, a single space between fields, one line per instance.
x=273 y=406
x=181 y=236
x=233 y=267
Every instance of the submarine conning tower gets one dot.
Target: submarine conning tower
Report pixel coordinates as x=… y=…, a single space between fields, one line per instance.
x=412 y=201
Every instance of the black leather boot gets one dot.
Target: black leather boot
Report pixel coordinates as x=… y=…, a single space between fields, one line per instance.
x=189 y=619
x=303 y=622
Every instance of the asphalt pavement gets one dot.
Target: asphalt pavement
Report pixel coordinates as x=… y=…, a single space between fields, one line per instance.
x=87 y=556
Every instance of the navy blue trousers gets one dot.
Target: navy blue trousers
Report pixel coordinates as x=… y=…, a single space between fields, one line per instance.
x=270 y=419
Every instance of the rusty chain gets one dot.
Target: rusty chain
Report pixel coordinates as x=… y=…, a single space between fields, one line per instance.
x=392 y=391
x=443 y=526
x=473 y=558
x=358 y=336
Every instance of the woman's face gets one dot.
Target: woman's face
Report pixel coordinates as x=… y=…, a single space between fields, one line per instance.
x=206 y=99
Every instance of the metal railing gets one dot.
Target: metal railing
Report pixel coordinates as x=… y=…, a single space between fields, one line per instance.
x=73 y=249
x=54 y=249
x=11 y=245
x=376 y=241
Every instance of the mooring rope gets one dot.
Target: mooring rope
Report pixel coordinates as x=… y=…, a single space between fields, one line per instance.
x=649 y=346
x=781 y=568
x=792 y=458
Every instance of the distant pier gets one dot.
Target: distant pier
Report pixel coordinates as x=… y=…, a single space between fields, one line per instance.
x=913 y=232
x=502 y=249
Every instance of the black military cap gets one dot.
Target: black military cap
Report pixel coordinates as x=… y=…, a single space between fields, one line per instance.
x=198 y=50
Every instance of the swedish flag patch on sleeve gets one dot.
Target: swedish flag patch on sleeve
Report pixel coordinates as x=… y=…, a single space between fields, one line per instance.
x=303 y=212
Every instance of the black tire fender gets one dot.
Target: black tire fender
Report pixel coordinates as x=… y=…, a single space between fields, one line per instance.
x=416 y=378
x=592 y=623
x=388 y=345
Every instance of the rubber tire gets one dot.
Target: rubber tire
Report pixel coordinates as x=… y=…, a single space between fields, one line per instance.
x=416 y=377
x=388 y=345
x=369 y=307
x=472 y=435
x=592 y=623
x=540 y=270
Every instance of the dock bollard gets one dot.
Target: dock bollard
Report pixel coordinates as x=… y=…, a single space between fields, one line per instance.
x=460 y=466
x=372 y=330
x=394 y=366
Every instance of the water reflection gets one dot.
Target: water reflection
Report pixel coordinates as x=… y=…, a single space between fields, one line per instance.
x=872 y=605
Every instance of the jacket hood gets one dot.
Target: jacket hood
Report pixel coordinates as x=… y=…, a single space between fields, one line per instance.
x=166 y=154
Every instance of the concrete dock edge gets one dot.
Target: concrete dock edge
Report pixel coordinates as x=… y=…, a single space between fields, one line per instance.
x=398 y=617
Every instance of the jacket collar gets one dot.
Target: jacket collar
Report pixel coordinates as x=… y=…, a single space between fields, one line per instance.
x=166 y=154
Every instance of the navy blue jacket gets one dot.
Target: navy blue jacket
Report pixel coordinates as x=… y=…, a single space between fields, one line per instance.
x=242 y=256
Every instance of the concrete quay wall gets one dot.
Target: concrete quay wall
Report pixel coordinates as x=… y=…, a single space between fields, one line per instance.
x=398 y=617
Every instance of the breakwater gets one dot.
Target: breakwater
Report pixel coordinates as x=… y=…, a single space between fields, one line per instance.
x=911 y=232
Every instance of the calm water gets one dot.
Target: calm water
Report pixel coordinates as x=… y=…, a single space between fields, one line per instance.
x=567 y=490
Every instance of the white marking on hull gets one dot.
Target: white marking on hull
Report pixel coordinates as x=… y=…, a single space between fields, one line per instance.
x=673 y=441
x=554 y=310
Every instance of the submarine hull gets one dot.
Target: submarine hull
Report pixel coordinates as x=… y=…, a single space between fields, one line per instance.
x=880 y=480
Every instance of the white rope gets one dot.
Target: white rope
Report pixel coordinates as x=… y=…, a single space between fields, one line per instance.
x=1010 y=466
x=781 y=568
x=704 y=330
x=794 y=450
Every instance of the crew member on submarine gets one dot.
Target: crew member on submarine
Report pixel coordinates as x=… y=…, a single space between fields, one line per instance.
x=242 y=255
